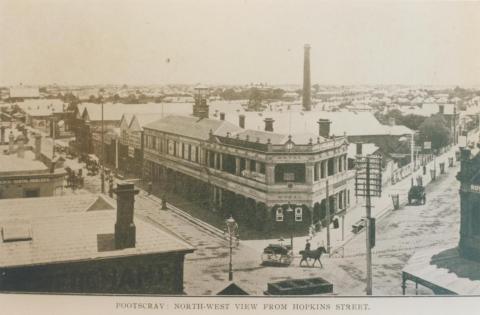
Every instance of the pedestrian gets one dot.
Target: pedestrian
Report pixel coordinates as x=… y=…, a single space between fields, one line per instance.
x=110 y=187
x=307 y=246
x=150 y=187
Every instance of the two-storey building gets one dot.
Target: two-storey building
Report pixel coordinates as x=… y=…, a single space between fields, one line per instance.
x=264 y=179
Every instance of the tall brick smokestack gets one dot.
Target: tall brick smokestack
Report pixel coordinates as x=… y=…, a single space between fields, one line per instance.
x=307 y=92
x=125 y=231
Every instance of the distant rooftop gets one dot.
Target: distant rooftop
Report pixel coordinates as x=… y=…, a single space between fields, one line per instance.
x=10 y=164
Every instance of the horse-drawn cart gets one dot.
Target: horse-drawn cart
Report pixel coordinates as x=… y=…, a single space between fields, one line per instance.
x=277 y=255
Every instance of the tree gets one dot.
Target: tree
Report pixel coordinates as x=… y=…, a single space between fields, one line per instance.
x=412 y=121
x=435 y=129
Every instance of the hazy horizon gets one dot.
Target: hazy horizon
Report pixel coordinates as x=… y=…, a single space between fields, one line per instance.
x=238 y=42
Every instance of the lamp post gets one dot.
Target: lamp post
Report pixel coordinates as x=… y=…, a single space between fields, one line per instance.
x=291 y=220
x=232 y=230
x=102 y=172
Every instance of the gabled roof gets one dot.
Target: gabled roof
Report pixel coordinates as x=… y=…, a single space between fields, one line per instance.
x=125 y=121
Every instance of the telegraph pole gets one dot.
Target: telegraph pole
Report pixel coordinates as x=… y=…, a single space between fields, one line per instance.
x=102 y=174
x=368 y=216
x=327 y=206
x=368 y=183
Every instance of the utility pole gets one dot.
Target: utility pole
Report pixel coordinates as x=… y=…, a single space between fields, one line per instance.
x=327 y=206
x=102 y=171
x=368 y=183
x=412 y=156
x=454 y=124
x=53 y=138
x=368 y=216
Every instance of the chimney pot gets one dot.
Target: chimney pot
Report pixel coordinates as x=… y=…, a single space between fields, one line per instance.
x=2 y=135
x=359 y=150
x=21 y=147
x=38 y=146
x=269 y=124
x=441 y=109
x=324 y=128
x=241 y=121
x=11 y=140
x=125 y=231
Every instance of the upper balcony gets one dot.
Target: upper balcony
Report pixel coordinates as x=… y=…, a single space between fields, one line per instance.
x=314 y=145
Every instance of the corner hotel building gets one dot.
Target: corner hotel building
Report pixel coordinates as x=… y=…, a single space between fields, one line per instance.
x=267 y=180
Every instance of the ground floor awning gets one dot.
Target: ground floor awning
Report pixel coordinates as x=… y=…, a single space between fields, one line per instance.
x=443 y=271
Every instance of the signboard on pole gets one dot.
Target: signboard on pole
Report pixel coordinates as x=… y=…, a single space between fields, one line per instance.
x=427 y=145
x=462 y=141
x=368 y=178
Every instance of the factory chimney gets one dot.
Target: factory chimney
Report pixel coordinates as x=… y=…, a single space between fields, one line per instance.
x=307 y=101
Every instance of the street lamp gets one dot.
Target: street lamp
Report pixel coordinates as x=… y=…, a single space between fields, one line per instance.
x=232 y=230
x=102 y=169
x=291 y=220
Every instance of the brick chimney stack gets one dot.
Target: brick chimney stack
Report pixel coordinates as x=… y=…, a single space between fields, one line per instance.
x=21 y=146
x=125 y=231
x=269 y=124
x=11 y=140
x=241 y=121
x=2 y=135
x=222 y=116
x=324 y=128
x=307 y=92
x=38 y=146
x=359 y=147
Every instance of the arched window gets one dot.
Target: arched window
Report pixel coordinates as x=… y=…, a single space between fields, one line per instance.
x=298 y=214
x=279 y=214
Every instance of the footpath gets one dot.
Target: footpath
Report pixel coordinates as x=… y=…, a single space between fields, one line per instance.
x=384 y=204
x=380 y=207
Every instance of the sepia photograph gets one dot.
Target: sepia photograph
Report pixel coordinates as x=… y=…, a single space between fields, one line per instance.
x=239 y=156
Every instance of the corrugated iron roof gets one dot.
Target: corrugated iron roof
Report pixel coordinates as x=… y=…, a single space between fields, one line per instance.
x=64 y=231
x=192 y=127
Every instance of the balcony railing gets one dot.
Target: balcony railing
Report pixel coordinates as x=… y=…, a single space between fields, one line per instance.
x=288 y=147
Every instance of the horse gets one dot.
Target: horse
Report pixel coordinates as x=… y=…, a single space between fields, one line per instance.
x=315 y=254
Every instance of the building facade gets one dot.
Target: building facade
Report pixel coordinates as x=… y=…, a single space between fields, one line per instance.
x=26 y=172
x=267 y=180
x=469 y=177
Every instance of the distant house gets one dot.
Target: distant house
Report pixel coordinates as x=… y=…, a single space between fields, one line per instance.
x=22 y=92
x=29 y=172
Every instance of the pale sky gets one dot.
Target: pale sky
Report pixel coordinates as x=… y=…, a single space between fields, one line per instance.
x=238 y=42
